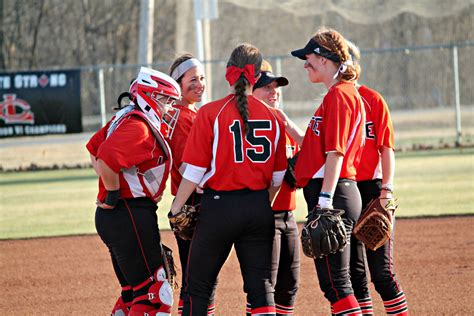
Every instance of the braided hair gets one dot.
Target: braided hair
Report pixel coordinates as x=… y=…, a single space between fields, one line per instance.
x=336 y=43
x=242 y=55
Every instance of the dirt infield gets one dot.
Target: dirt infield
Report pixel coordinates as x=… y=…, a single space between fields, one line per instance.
x=73 y=275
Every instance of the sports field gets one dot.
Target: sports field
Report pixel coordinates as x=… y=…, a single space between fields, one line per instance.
x=62 y=202
x=73 y=274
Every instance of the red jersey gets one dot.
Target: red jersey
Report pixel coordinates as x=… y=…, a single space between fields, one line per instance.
x=133 y=151
x=286 y=197
x=234 y=162
x=379 y=132
x=177 y=142
x=337 y=125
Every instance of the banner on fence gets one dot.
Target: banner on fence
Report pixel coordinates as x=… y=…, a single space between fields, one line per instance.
x=40 y=102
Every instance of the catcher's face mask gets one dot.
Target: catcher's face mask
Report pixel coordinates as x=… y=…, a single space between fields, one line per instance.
x=156 y=93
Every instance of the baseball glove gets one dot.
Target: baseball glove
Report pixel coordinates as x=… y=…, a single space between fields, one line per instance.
x=323 y=233
x=184 y=222
x=169 y=265
x=374 y=226
x=290 y=177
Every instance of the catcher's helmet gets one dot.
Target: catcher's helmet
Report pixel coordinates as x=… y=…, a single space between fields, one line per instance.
x=156 y=92
x=133 y=89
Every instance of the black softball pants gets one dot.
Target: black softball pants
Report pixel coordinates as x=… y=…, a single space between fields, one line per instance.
x=243 y=219
x=286 y=259
x=380 y=261
x=333 y=270
x=130 y=232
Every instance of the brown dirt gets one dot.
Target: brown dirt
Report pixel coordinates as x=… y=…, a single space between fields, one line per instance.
x=73 y=275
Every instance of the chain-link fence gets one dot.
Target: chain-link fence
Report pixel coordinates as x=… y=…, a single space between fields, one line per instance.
x=423 y=86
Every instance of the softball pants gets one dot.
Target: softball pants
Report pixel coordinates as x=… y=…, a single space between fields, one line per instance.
x=285 y=261
x=333 y=270
x=130 y=232
x=183 y=248
x=379 y=262
x=243 y=219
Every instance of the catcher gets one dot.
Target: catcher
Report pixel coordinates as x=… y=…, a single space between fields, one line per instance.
x=132 y=160
x=375 y=176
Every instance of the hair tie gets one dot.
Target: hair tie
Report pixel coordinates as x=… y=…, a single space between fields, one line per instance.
x=233 y=73
x=343 y=67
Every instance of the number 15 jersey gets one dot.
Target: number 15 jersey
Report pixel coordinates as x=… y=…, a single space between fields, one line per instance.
x=233 y=161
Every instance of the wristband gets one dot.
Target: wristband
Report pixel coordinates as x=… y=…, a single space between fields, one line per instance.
x=387 y=187
x=325 y=195
x=112 y=197
x=324 y=202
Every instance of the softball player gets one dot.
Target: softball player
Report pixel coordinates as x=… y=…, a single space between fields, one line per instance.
x=133 y=161
x=330 y=153
x=236 y=153
x=286 y=250
x=375 y=178
x=189 y=74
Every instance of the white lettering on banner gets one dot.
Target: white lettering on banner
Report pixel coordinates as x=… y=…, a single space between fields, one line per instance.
x=6 y=131
x=5 y=82
x=19 y=130
x=26 y=81
x=58 y=80
x=45 y=129
x=32 y=81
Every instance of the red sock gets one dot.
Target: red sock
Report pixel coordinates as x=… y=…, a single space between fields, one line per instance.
x=347 y=306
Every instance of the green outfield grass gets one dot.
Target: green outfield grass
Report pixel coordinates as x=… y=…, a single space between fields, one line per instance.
x=62 y=202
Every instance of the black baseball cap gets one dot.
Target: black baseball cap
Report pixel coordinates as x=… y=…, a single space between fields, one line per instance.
x=268 y=77
x=314 y=48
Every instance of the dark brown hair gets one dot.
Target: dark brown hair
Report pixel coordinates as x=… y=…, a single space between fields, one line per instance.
x=336 y=43
x=178 y=61
x=242 y=55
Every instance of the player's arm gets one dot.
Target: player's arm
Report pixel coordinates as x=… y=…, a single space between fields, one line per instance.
x=111 y=182
x=94 y=164
x=388 y=171
x=332 y=170
x=272 y=192
x=291 y=128
x=191 y=178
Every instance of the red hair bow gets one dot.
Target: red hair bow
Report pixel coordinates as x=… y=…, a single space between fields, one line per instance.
x=233 y=73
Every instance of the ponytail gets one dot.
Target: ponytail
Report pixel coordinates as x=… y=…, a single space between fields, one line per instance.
x=248 y=60
x=241 y=99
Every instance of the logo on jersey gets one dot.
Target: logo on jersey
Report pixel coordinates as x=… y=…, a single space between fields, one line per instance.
x=13 y=110
x=369 y=130
x=314 y=124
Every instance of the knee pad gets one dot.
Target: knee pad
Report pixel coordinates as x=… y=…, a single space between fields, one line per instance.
x=158 y=292
x=161 y=292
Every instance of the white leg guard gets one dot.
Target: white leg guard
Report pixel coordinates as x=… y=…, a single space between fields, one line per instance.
x=161 y=292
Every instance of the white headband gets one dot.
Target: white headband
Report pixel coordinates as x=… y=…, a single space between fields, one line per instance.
x=185 y=66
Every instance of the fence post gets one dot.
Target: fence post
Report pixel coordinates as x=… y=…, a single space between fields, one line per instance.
x=278 y=73
x=456 y=96
x=102 y=96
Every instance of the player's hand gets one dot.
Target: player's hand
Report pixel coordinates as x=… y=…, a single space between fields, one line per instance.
x=159 y=198
x=385 y=194
x=282 y=116
x=103 y=205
